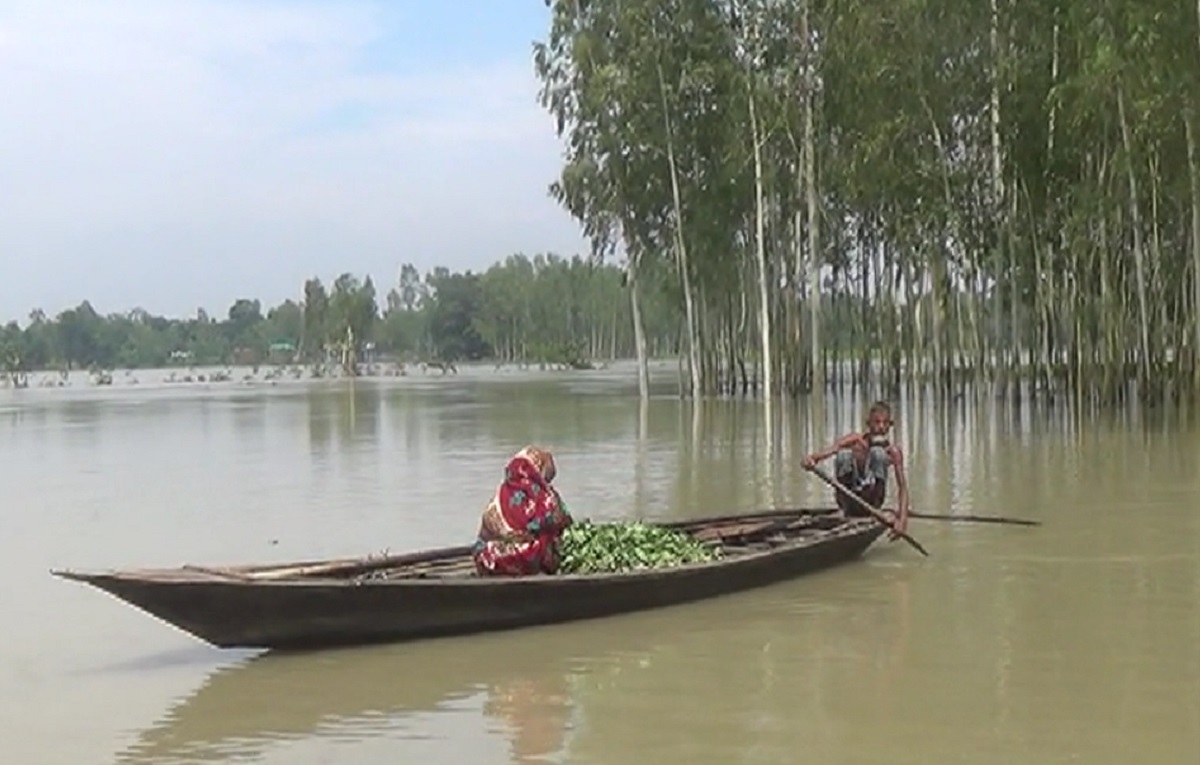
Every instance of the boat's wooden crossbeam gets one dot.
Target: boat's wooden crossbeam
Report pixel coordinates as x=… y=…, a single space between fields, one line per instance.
x=734 y=538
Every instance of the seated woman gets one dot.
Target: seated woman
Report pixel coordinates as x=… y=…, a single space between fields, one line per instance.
x=521 y=526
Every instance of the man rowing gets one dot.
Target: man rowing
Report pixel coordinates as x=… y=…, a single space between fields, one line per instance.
x=861 y=464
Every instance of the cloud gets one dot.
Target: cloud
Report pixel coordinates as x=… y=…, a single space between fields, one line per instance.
x=178 y=154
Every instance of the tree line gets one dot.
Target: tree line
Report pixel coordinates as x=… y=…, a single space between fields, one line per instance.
x=995 y=192
x=541 y=309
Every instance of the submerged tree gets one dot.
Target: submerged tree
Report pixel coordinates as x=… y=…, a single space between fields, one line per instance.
x=873 y=191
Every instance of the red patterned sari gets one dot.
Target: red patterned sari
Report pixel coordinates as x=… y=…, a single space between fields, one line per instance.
x=521 y=526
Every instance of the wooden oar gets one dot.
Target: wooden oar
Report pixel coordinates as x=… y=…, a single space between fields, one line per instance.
x=963 y=518
x=974 y=518
x=878 y=515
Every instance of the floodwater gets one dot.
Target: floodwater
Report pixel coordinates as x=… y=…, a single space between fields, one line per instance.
x=1077 y=641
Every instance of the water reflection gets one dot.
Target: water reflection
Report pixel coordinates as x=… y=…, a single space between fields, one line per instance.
x=599 y=691
x=321 y=417
x=344 y=416
x=534 y=712
x=537 y=410
x=244 y=710
x=641 y=458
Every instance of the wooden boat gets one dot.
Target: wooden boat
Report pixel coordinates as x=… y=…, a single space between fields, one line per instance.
x=318 y=604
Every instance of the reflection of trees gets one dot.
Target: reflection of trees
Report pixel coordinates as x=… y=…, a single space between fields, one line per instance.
x=320 y=420
x=729 y=460
x=596 y=440
x=345 y=414
x=541 y=409
x=249 y=422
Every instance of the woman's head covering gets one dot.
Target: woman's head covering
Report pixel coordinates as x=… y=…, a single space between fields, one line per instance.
x=542 y=459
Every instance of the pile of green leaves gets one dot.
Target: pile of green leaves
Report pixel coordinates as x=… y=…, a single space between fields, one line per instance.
x=589 y=547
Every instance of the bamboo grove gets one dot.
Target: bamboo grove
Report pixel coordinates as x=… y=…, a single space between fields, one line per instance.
x=910 y=191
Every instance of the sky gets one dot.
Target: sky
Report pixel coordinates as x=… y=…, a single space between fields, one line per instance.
x=177 y=154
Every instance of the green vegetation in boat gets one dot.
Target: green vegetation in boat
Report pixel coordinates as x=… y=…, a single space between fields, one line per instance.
x=590 y=547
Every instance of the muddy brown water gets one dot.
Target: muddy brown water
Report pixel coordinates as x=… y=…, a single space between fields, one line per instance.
x=1076 y=641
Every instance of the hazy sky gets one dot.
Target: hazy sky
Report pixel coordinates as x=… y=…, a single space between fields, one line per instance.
x=173 y=154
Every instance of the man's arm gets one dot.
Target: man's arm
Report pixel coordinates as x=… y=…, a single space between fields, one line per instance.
x=844 y=442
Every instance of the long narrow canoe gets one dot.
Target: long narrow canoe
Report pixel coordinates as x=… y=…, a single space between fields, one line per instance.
x=319 y=604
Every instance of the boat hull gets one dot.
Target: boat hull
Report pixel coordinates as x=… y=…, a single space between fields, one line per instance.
x=327 y=612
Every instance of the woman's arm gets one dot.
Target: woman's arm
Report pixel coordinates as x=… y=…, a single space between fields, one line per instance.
x=552 y=515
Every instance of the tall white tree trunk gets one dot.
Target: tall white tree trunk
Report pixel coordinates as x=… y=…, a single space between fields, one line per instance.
x=810 y=195
x=997 y=180
x=639 y=329
x=1139 y=255
x=1194 y=173
x=997 y=159
x=760 y=252
x=681 y=245
x=1053 y=83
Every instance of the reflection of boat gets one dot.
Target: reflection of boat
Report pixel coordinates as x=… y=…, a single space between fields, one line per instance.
x=528 y=683
x=390 y=598
x=271 y=698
